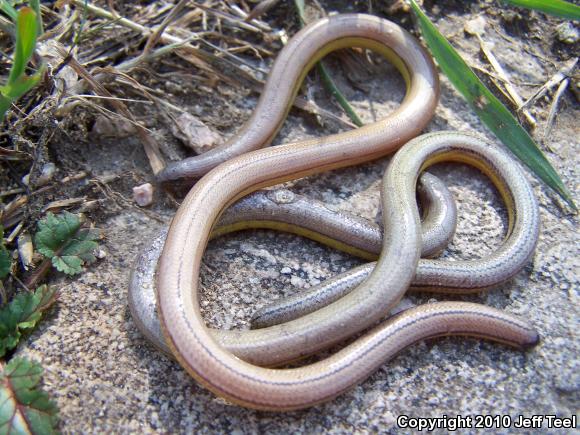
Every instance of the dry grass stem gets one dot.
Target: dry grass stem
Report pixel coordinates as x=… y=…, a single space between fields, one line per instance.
x=554 y=109
x=512 y=93
x=563 y=73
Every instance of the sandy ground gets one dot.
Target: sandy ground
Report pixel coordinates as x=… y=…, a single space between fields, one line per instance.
x=107 y=379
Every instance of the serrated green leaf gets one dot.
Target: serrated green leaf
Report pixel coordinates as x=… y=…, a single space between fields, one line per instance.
x=55 y=231
x=84 y=243
x=83 y=247
x=487 y=107
x=24 y=407
x=554 y=7
x=22 y=313
x=61 y=239
x=67 y=264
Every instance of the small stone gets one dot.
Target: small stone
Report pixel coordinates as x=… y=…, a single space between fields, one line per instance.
x=112 y=127
x=261 y=253
x=405 y=304
x=194 y=133
x=286 y=270
x=46 y=174
x=576 y=90
x=89 y=206
x=25 y=249
x=296 y=281
x=143 y=195
x=510 y=16
x=475 y=26
x=433 y=400
x=567 y=33
x=282 y=196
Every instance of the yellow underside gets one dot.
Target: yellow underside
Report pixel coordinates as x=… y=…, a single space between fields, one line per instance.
x=293 y=229
x=455 y=156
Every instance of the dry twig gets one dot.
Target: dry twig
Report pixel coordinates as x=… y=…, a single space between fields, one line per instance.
x=151 y=147
x=562 y=74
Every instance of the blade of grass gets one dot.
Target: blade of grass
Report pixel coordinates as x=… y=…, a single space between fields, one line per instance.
x=79 y=34
x=335 y=92
x=26 y=31
x=327 y=79
x=9 y=10
x=22 y=85
x=35 y=5
x=487 y=107
x=559 y=8
x=5 y=104
x=18 y=82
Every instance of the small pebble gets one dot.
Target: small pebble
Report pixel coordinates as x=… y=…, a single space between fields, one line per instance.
x=475 y=26
x=110 y=127
x=46 y=174
x=567 y=33
x=25 y=249
x=143 y=195
x=296 y=281
x=194 y=133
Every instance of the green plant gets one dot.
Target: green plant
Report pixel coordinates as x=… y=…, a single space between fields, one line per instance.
x=27 y=29
x=326 y=78
x=63 y=240
x=21 y=314
x=554 y=7
x=5 y=261
x=482 y=101
x=487 y=107
x=67 y=245
x=24 y=407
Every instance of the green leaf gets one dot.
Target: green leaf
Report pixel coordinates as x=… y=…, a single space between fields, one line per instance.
x=554 y=7
x=24 y=407
x=488 y=108
x=5 y=104
x=67 y=264
x=27 y=28
x=35 y=5
x=22 y=313
x=21 y=85
x=9 y=10
x=55 y=231
x=62 y=239
x=337 y=94
x=326 y=77
x=5 y=260
x=26 y=32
